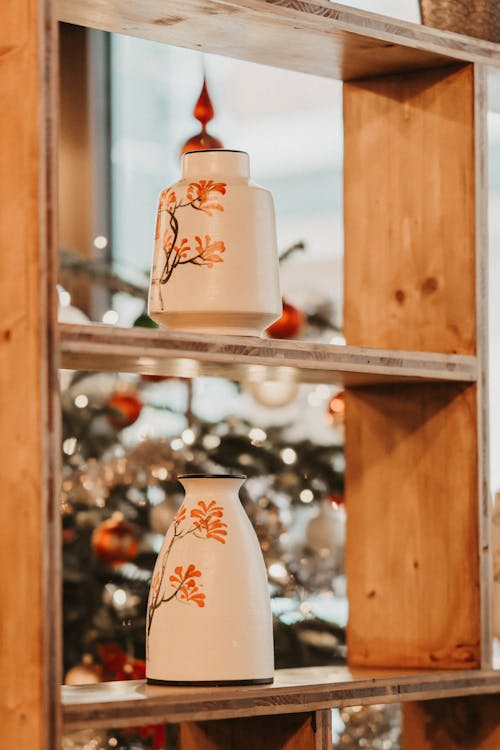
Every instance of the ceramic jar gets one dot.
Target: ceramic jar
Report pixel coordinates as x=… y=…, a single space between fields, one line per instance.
x=215 y=263
x=209 y=617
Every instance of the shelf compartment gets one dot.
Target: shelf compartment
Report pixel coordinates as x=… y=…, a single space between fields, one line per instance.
x=315 y=37
x=152 y=352
x=120 y=704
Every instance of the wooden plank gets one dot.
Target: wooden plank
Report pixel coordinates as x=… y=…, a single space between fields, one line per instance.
x=29 y=552
x=485 y=508
x=412 y=533
x=133 y=703
x=312 y=36
x=453 y=724
x=416 y=479
x=290 y=732
x=417 y=536
x=409 y=212
x=323 y=727
x=160 y=352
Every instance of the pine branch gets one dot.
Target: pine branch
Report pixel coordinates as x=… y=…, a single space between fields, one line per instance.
x=101 y=273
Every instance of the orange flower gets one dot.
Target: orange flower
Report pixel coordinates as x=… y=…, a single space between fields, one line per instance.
x=180 y=516
x=192 y=593
x=208 y=522
x=185 y=585
x=181 y=577
x=205 y=195
x=167 y=198
x=183 y=248
x=208 y=255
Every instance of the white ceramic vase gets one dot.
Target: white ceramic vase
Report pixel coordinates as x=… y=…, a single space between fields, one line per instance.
x=215 y=264
x=209 y=616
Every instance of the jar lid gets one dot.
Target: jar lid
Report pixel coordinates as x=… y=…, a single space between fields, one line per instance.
x=215 y=162
x=211 y=476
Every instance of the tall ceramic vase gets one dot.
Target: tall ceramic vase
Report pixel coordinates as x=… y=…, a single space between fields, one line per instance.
x=215 y=263
x=209 y=618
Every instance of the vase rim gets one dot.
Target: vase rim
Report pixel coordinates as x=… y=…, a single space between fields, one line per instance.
x=211 y=476
x=216 y=150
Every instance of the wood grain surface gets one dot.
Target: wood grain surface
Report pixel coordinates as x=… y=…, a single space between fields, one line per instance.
x=409 y=212
x=133 y=703
x=312 y=36
x=485 y=509
x=412 y=557
x=98 y=347
x=471 y=723
x=288 y=732
x=29 y=549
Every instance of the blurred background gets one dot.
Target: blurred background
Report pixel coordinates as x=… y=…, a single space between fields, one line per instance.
x=126 y=112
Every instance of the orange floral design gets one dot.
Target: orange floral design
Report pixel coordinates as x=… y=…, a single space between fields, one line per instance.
x=180 y=516
x=204 y=195
x=186 y=588
x=207 y=254
x=167 y=200
x=208 y=522
x=182 y=249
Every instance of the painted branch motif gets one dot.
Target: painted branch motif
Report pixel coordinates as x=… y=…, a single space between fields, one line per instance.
x=176 y=251
x=184 y=584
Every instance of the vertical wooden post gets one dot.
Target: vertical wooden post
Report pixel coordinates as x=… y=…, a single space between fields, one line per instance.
x=416 y=487
x=412 y=452
x=29 y=580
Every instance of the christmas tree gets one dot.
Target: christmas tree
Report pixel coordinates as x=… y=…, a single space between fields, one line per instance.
x=120 y=493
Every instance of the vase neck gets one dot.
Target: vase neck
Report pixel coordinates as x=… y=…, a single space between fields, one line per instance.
x=215 y=163
x=211 y=487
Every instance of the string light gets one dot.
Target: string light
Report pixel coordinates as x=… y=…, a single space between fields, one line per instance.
x=110 y=317
x=306 y=496
x=211 y=441
x=288 y=455
x=100 y=242
x=188 y=436
x=69 y=446
x=257 y=435
x=277 y=570
x=119 y=597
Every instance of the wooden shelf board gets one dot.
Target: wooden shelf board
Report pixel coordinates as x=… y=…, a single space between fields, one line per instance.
x=315 y=37
x=119 y=704
x=153 y=352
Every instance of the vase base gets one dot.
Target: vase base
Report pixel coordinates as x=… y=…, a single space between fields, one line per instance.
x=215 y=323
x=210 y=683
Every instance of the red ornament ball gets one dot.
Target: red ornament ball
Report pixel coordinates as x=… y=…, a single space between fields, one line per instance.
x=336 y=409
x=336 y=500
x=118 y=665
x=124 y=409
x=289 y=325
x=114 y=541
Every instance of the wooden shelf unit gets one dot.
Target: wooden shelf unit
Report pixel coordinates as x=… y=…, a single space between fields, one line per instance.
x=317 y=36
x=99 y=347
x=415 y=221
x=122 y=704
